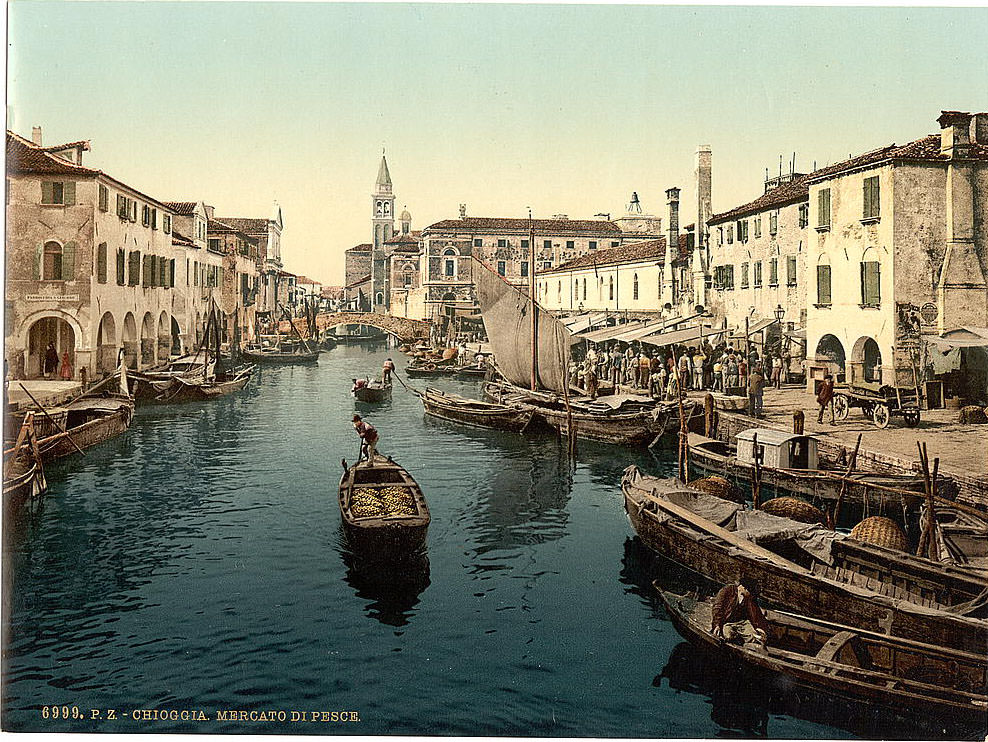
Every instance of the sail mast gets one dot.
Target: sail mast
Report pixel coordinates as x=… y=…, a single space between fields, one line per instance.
x=531 y=296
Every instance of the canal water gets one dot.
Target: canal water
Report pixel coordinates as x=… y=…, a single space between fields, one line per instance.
x=197 y=563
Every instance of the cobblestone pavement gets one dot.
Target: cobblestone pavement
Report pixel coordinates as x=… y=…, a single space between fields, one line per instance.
x=961 y=448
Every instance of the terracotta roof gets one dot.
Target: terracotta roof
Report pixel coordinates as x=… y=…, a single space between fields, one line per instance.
x=924 y=149
x=24 y=156
x=215 y=226
x=365 y=247
x=182 y=208
x=306 y=279
x=783 y=195
x=287 y=274
x=542 y=226
x=245 y=225
x=84 y=143
x=358 y=282
x=401 y=239
x=633 y=253
x=180 y=239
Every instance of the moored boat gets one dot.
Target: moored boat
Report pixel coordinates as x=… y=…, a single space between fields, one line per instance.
x=269 y=356
x=383 y=509
x=808 y=568
x=428 y=370
x=846 y=661
x=514 y=418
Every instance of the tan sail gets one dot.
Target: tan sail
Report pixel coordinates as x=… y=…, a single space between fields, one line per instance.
x=508 y=322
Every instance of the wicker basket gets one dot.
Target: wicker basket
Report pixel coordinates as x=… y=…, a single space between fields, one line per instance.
x=719 y=487
x=795 y=509
x=972 y=415
x=880 y=532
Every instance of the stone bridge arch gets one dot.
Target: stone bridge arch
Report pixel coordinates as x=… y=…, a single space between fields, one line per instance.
x=403 y=328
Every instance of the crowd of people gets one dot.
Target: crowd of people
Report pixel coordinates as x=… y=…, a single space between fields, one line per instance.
x=659 y=373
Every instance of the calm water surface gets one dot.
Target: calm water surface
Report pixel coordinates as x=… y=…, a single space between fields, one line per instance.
x=197 y=562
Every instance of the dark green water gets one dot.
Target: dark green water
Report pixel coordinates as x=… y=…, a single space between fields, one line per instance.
x=197 y=563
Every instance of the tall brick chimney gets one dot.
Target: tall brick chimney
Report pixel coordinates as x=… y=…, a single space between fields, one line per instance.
x=672 y=198
x=36 y=135
x=703 y=192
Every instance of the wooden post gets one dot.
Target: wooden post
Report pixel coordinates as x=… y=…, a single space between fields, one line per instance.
x=798 y=420
x=756 y=474
x=531 y=296
x=709 y=411
x=835 y=513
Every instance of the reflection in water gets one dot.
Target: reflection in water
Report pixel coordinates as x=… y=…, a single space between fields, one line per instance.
x=392 y=586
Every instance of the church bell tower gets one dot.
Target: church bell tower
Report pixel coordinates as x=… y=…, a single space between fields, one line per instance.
x=383 y=229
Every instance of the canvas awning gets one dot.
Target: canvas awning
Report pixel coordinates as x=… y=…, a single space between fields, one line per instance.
x=606 y=333
x=964 y=337
x=682 y=337
x=584 y=322
x=753 y=327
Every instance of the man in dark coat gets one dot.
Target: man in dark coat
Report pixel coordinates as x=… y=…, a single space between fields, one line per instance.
x=825 y=397
x=50 y=360
x=734 y=602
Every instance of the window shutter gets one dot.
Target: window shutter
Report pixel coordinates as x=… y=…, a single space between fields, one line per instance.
x=68 y=261
x=171 y=273
x=38 y=259
x=121 y=267
x=47 y=192
x=101 y=263
x=68 y=193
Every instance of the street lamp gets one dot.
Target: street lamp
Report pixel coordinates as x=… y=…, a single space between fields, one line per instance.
x=779 y=313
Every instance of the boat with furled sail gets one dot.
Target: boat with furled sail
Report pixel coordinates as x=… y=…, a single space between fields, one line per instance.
x=532 y=349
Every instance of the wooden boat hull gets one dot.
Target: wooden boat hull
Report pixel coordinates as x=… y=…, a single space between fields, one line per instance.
x=420 y=372
x=876 y=492
x=830 y=657
x=23 y=482
x=510 y=418
x=86 y=436
x=384 y=537
x=372 y=393
x=708 y=550
x=281 y=359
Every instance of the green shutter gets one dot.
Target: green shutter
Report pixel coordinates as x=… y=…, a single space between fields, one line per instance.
x=47 y=192
x=68 y=261
x=101 y=263
x=68 y=193
x=121 y=267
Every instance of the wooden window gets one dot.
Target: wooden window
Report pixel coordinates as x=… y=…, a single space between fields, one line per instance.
x=758 y=227
x=804 y=215
x=104 y=198
x=123 y=210
x=744 y=275
x=773 y=272
x=592 y=244
x=133 y=210
x=823 y=208
x=134 y=268
x=615 y=243
x=154 y=218
x=610 y=288
x=478 y=242
x=634 y=288
x=570 y=244
x=730 y=234
x=524 y=268
x=823 y=295
x=58 y=192
x=524 y=244
x=758 y=274
x=502 y=243
x=51 y=262
x=773 y=223
x=872 y=198
x=546 y=244
x=147 y=272
x=584 y=289
x=450 y=267
x=790 y=270
x=729 y=277
x=101 y=263
x=121 y=266
x=871 y=295
x=166 y=223
x=500 y=267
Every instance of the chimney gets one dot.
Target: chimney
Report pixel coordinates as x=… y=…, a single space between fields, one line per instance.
x=955 y=133
x=36 y=135
x=703 y=192
x=979 y=128
x=672 y=197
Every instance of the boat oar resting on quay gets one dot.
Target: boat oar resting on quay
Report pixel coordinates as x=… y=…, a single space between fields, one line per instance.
x=808 y=568
x=383 y=510
x=514 y=418
x=842 y=660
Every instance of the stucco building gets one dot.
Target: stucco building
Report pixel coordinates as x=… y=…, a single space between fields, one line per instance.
x=267 y=234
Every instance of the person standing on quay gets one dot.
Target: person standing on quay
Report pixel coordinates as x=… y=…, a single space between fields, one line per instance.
x=756 y=388
x=66 y=371
x=644 y=369
x=590 y=377
x=616 y=358
x=825 y=397
x=49 y=361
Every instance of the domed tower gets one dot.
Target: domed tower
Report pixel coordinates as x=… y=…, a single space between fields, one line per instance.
x=406 y=221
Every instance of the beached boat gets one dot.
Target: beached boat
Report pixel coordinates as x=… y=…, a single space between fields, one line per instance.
x=846 y=661
x=383 y=508
x=365 y=390
x=23 y=469
x=514 y=418
x=622 y=419
x=808 y=568
x=789 y=464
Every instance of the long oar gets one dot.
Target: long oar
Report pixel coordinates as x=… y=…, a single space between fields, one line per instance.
x=51 y=419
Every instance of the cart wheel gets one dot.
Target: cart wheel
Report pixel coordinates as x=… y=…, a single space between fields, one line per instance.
x=912 y=418
x=842 y=406
x=881 y=415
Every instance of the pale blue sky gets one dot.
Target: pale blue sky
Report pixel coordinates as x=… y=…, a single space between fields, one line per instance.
x=563 y=108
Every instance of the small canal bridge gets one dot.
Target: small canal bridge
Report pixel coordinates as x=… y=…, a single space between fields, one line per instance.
x=403 y=328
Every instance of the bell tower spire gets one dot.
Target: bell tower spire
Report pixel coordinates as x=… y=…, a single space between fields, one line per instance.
x=382 y=230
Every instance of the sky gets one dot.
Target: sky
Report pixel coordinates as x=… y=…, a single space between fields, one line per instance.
x=566 y=109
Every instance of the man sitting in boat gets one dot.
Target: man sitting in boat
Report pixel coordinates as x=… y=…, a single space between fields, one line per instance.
x=368 y=436
x=734 y=604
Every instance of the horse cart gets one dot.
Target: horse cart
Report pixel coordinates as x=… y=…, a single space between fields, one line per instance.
x=879 y=402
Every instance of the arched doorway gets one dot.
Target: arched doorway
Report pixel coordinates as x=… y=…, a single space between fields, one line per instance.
x=176 y=348
x=106 y=345
x=148 y=341
x=830 y=351
x=131 y=341
x=164 y=338
x=866 y=361
x=45 y=333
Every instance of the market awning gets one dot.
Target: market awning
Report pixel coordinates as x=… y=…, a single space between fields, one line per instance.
x=753 y=327
x=606 y=333
x=682 y=337
x=964 y=337
x=584 y=322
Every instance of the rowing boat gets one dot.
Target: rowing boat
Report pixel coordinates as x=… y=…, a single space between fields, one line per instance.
x=845 y=661
x=371 y=391
x=808 y=568
x=514 y=418
x=383 y=508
